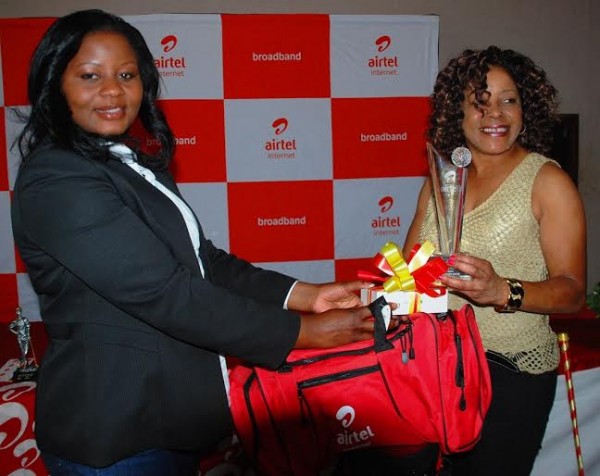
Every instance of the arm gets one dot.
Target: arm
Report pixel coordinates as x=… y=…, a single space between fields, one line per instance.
x=339 y=316
x=558 y=208
x=72 y=223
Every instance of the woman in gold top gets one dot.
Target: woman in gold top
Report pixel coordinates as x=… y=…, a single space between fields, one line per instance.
x=523 y=242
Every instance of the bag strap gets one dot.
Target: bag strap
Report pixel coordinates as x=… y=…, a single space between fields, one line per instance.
x=378 y=308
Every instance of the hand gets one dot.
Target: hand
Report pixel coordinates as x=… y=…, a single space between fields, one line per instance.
x=334 y=328
x=340 y=295
x=486 y=287
x=307 y=297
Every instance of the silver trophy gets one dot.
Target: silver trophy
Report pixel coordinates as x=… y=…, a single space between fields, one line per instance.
x=449 y=182
x=27 y=367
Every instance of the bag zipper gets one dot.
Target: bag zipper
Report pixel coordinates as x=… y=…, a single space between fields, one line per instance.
x=323 y=379
x=459 y=375
x=305 y=410
x=287 y=366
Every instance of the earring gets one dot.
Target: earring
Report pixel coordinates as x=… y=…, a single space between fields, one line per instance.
x=523 y=130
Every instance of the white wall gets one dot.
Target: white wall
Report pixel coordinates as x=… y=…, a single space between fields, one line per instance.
x=562 y=36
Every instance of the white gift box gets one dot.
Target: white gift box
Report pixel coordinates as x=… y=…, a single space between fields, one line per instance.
x=408 y=302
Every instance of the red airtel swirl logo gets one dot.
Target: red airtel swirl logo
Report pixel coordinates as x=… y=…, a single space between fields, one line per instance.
x=386 y=203
x=169 y=43
x=383 y=43
x=280 y=125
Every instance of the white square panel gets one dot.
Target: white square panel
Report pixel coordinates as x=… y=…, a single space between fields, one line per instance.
x=7 y=248
x=14 y=125
x=28 y=300
x=188 y=52
x=307 y=271
x=370 y=212
x=209 y=203
x=383 y=56
x=278 y=139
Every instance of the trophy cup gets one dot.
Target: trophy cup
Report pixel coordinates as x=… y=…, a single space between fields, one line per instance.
x=27 y=367
x=449 y=182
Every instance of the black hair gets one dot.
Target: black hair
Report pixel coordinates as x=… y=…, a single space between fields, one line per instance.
x=50 y=116
x=539 y=103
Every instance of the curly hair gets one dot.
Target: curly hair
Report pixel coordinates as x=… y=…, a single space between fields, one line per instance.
x=50 y=116
x=538 y=98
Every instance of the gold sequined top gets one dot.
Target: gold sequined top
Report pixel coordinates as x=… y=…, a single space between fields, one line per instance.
x=504 y=231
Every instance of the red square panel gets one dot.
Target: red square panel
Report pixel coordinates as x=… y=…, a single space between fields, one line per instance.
x=276 y=56
x=347 y=269
x=199 y=129
x=20 y=264
x=8 y=297
x=281 y=221
x=3 y=157
x=19 y=38
x=379 y=137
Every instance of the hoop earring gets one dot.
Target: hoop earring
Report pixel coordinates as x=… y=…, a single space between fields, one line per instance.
x=523 y=130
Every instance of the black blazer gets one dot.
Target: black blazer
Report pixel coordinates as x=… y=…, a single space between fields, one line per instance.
x=135 y=330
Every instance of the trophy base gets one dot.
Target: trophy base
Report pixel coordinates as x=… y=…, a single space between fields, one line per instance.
x=25 y=374
x=455 y=273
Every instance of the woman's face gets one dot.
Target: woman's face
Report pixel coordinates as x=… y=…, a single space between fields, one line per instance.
x=102 y=84
x=492 y=128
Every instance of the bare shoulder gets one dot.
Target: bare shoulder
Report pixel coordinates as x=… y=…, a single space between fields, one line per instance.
x=554 y=189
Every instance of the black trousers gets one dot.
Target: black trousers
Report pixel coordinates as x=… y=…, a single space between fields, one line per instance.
x=514 y=427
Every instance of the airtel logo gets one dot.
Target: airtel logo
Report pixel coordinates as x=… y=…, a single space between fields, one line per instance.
x=280 y=125
x=386 y=203
x=169 y=42
x=346 y=415
x=383 y=43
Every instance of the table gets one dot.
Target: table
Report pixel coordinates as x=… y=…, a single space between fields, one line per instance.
x=18 y=450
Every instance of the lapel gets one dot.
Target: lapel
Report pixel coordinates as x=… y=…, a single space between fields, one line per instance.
x=158 y=211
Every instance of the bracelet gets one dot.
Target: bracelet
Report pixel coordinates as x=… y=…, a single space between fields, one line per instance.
x=516 y=293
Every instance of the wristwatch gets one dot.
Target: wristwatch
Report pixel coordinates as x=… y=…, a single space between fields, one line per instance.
x=516 y=293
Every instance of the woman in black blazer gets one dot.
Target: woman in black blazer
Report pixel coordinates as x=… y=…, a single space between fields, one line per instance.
x=138 y=305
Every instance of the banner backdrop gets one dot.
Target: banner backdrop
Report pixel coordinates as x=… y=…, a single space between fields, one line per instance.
x=300 y=138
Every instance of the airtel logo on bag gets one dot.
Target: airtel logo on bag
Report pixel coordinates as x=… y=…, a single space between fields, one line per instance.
x=348 y=438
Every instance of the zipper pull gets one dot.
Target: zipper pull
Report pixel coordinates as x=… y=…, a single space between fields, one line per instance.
x=462 y=404
x=460 y=372
x=403 y=346
x=303 y=417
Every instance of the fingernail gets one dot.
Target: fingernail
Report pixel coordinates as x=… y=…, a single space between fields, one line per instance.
x=451 y=259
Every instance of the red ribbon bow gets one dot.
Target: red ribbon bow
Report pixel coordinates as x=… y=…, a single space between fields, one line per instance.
x=418 y=274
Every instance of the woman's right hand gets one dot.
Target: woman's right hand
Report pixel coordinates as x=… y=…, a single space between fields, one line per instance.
x=335 y=327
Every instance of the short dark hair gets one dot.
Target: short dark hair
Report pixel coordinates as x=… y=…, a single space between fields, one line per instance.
x=538 y=98
x=50 y=117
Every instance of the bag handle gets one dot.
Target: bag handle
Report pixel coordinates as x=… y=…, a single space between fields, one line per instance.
x=379 y=308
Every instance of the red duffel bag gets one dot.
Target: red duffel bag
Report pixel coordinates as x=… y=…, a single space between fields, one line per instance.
x=426 y=381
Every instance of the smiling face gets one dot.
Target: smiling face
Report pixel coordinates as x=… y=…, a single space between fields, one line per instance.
x=493 y=127
x=102 y=85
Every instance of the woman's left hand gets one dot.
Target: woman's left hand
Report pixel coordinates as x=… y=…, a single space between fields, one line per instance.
x=486 y=287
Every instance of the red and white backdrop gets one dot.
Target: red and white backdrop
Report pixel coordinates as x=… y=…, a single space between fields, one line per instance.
x=300 y=137
x=300 y=148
